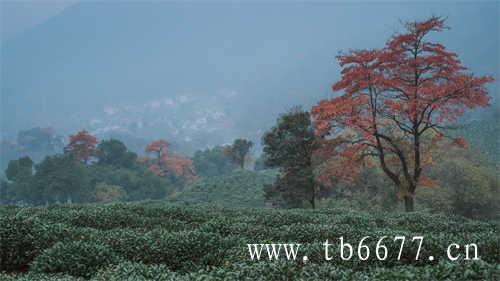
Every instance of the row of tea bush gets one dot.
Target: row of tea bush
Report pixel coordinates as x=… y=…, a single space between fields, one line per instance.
x=97 y=241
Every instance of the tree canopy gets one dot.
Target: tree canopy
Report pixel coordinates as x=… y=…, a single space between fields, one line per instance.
x=397 y=103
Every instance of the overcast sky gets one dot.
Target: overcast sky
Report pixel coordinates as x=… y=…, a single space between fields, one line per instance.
x=19 y=16
x=64 y=64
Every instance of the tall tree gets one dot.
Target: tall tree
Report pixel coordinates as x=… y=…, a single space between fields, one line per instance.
x=158 y=147
x=19 y=169
x=238 y=151
x=290 y=145
x=20 y=181
x=212 y=162
x=166 y=163
x=395 y=98
x=114 y=152
x=59 y=178
x=82 y=145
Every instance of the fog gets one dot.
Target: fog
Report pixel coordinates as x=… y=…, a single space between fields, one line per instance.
x=199 y=74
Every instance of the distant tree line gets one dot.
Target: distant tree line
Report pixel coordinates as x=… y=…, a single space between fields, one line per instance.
x=105 y=171
x=86 y=171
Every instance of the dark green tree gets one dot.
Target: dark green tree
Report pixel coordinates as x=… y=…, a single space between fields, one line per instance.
x=290 y=145
x=19 y=174
x=19 y=169
x=212 y=162
x=138 y=182
x=114 y=152
x=238 y=151
x=60 y=178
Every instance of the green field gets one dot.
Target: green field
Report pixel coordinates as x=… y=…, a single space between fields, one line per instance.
x=158 y=241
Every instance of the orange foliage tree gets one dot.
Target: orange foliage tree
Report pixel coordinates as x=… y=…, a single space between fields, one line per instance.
x=397 y=104
x=82 y=145
x=166 y=163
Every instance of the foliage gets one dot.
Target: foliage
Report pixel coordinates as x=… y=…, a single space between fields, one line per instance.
x=38 y=142
x=113 y=152
x=18 y=241
x=466 y=188
x=35 y=142
x=109 y=193
x=148 y=241
x=19 y=174
x=19 y=169
x=238 y=151
x=290 y=145
x=60 y=178
x=22 y=237
x=260 y=163
x=134 y=271
x=483 y=136
x=370 y=190
x=393 y=99
x=78 y=258
x=138 y=183
x=283 y=271
x=116 y=175
x=212 y=162
x=82 y=145
x=239 y=189
x=168 y=164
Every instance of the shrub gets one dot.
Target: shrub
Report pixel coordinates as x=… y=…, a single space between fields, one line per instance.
x=133 y=271
x=109 y=193
x=157 y=241
x=23 y=237
x=18 y=242
x=185 y=250
x=77 y=258
x=30 y=276
x=238 y=189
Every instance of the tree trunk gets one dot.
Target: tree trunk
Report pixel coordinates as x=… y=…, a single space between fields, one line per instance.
x=409 y=203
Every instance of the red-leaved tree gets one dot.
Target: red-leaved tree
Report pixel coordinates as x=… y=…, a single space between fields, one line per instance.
x=165 y=163
x=397 y=104
x=82 y=145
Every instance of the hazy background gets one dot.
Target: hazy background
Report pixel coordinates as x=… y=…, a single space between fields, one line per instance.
x=199 y=74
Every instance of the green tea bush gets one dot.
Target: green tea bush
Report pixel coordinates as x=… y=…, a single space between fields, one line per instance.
x=134 y=271
x=285 y=271
x=30 y=276
x=23 y=237
x=154 y=240
x=237 y=189
x=186 y=250
x=19 y=241
x=77 y=258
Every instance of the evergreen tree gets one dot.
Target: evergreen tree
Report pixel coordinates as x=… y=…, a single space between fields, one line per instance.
x=290 y=146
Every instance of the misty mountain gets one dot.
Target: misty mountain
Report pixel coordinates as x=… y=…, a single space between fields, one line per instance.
x=203 y=74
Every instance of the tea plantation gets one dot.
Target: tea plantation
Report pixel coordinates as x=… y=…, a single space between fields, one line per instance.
x=238 y=189
x=156 y=241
